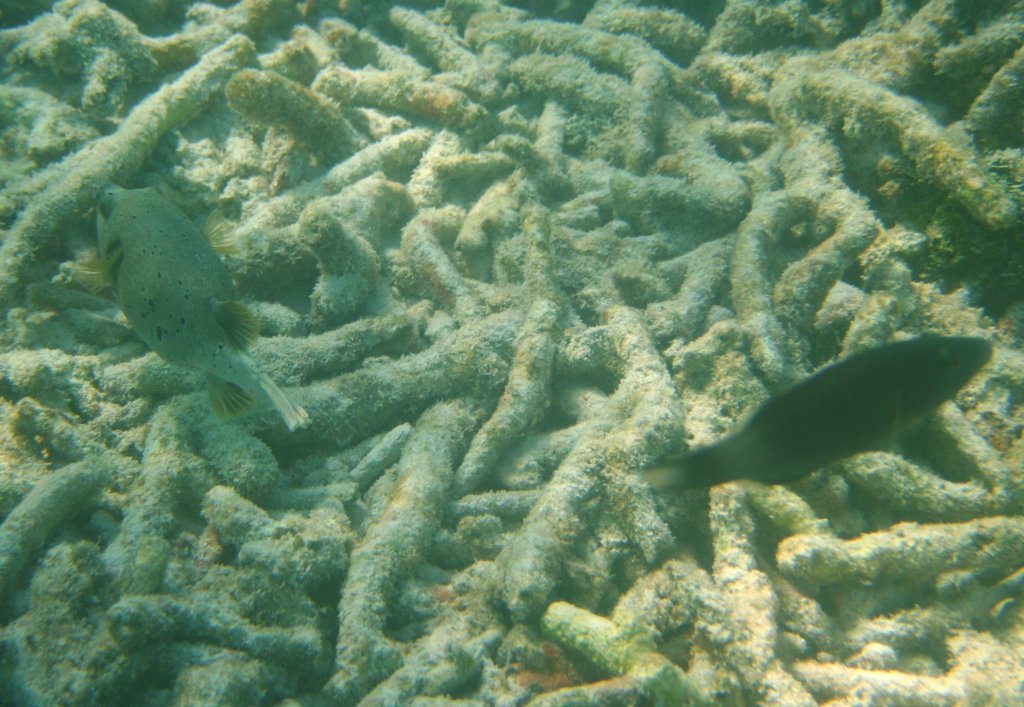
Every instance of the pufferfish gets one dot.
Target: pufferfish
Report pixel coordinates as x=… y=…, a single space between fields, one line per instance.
x=178 y=295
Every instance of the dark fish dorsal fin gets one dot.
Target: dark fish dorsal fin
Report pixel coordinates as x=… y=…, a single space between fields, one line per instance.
x=239 y=324
x=220 y=234
x=228 y=399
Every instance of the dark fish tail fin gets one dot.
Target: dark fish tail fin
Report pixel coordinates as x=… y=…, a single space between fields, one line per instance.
x=695 y=470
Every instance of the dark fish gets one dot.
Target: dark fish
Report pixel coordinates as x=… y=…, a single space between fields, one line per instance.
x=852 y=406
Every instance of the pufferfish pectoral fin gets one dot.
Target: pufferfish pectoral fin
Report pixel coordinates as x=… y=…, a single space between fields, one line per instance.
x=94 y=273
x=228 y=399
x=239 y=324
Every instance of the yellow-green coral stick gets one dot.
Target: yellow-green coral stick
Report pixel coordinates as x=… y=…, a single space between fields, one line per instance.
x=619 y=650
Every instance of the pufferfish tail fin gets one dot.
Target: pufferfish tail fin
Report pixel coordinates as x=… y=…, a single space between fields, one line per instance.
x=294 y=415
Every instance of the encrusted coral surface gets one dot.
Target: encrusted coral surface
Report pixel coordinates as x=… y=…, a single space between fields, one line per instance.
x=507 y=254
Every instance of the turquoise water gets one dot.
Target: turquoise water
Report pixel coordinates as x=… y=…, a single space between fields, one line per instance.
x=508 y=257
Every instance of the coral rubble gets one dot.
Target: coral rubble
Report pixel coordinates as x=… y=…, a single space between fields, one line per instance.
x=507 y=254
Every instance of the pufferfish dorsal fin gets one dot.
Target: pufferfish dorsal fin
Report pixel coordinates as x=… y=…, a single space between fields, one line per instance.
x=220 y=233
x=239 y=324
x=226 y=398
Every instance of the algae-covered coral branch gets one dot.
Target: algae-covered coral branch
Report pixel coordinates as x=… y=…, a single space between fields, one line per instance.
x=392 y=546
x=24 y=530
x=855 y=106
x=506 y=255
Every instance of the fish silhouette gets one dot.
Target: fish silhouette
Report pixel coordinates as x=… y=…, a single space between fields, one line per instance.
x=855 y=405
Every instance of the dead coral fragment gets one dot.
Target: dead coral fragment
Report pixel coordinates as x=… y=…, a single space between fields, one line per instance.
x=995 y=116
x=906 y=552
x=387 y=89
x=391 y=547
x=49 y=504
x=674 y=34
x=858 y=108
x=620 y=650
x=269 y=99
x=89 y=40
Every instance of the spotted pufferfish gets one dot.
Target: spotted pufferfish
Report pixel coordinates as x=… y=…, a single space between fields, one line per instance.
x=178 y=295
